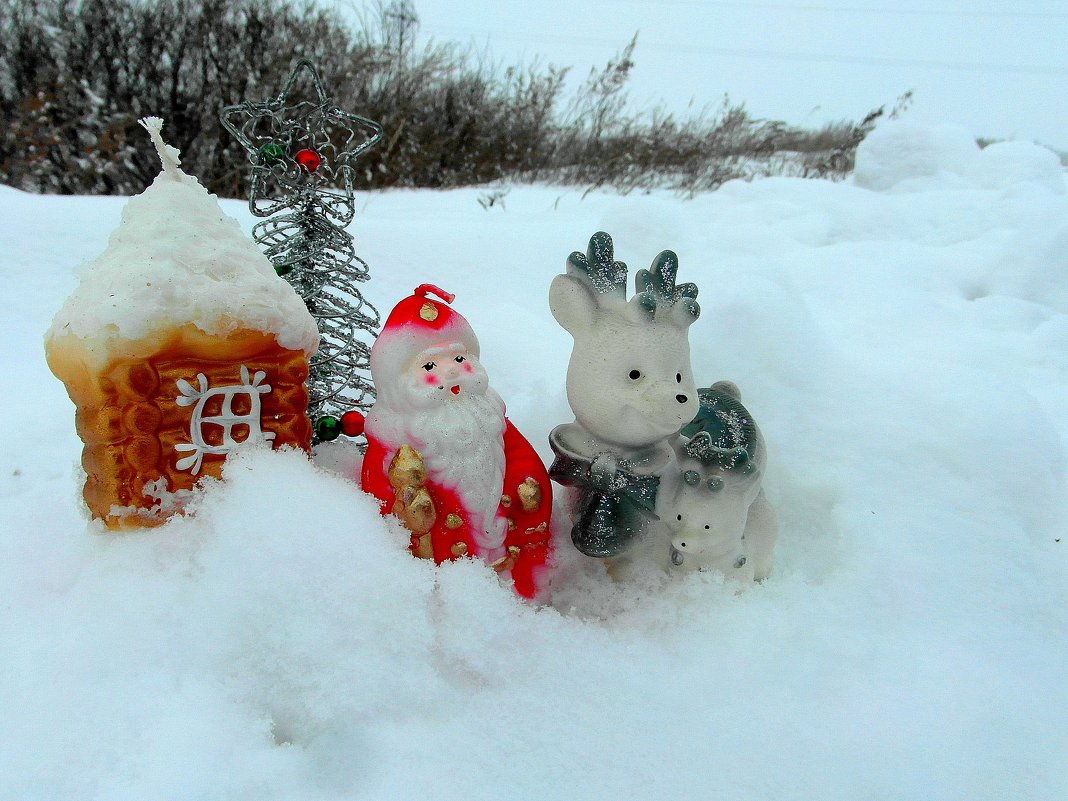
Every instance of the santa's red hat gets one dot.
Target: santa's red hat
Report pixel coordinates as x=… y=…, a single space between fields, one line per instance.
x=416 y=323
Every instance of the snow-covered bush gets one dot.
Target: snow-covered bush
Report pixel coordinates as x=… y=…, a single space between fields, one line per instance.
x=76 y=76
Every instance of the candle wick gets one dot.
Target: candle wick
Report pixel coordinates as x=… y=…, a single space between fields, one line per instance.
x=168 y=156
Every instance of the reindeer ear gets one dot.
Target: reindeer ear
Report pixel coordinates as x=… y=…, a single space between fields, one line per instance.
x=572 y=304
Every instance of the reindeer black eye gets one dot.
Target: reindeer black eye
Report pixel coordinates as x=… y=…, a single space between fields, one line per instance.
x=635 y=375
x=460 y=360
x=678 y=517
x=678 y=378
x=707 y=527
x=429 y=366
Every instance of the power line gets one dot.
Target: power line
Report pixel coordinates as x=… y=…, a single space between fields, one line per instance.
x=1030 y=69
x=963 y=66
x=888 y=11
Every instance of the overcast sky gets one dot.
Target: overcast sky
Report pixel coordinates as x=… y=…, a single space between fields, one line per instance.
x=999 y=69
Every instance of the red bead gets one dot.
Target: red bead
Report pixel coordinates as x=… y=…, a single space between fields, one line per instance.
x=308 y=159
x=352 y=424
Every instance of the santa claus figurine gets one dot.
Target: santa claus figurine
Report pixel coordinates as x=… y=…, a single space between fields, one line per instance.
x=442 y=456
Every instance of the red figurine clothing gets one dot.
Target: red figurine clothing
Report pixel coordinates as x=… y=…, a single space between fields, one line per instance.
x=525 y=506
x=442 y=456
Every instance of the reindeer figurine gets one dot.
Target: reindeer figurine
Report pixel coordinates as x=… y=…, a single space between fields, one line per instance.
x=631 y=388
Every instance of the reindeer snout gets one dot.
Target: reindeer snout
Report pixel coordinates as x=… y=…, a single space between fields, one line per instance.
x=658 y=395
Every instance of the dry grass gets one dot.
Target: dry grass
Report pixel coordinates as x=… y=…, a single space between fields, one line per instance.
x=75 y=75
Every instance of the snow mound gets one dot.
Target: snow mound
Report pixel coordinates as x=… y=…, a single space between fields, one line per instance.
x=906 y=355
x=908 y=156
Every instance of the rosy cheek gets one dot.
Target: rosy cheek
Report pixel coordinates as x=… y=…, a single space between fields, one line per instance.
x=430 y=379
x=468 y=368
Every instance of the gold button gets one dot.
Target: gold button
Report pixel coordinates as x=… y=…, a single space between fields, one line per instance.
x=459 y=549
x=454 y=521
x=530 y=494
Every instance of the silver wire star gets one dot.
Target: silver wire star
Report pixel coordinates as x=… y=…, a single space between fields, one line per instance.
x=274 y=132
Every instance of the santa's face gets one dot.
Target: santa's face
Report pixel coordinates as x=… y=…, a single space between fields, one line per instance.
x=444 y=373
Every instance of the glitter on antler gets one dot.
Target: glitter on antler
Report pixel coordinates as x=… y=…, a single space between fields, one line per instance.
x=657 y=293
x=598 y=268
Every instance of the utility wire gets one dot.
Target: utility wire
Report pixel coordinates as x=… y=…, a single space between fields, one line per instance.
x=672 y=47
x=1031 y=69
x=887 y=11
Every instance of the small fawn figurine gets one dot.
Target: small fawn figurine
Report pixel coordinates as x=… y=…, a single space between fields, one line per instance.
x=718 y=517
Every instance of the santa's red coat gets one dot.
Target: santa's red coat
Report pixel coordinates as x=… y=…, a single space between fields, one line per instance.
x=527 y=538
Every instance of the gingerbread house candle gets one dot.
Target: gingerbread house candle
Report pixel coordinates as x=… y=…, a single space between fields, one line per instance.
x=179 y=344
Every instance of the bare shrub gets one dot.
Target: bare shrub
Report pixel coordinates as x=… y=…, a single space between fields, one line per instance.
x=75 y=75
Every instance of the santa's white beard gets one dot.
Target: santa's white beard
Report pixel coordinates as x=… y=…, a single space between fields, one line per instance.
x=462 y=443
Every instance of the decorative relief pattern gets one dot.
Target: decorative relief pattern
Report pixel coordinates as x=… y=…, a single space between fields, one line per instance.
x=228 y=419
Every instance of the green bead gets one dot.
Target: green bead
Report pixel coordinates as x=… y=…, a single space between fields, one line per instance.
x=272 y=153
x=327 y=429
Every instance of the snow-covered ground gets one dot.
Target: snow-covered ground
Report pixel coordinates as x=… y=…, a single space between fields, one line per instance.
x=903 y=340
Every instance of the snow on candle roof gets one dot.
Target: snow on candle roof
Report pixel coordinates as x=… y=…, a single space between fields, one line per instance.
x=177 y=258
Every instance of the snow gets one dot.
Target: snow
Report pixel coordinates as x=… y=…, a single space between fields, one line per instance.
x=901 y=153
x=902 y=341
x=177 y=258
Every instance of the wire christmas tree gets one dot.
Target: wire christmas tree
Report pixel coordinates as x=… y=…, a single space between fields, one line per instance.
x=302 y=153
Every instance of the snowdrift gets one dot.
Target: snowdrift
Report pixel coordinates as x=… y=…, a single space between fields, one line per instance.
x=903 y=339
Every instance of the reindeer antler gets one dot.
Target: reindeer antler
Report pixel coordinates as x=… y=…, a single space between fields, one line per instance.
x=657 y=293
x=598 y=267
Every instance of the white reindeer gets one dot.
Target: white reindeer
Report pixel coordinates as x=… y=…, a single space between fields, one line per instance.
x=631 y=387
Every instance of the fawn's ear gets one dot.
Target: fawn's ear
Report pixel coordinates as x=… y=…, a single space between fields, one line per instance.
x=728 y=388
x=572 y=304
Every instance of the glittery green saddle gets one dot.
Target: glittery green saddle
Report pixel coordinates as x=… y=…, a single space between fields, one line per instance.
x=723 y=434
